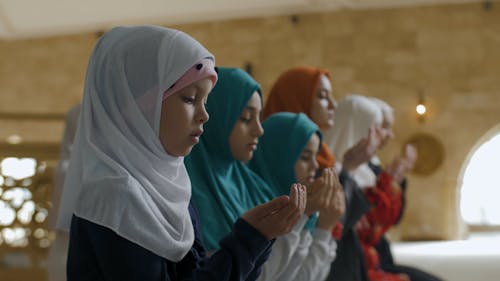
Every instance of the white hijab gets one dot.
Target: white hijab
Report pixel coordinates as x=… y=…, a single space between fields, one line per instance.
x=120 y=176
x=387 y=111
x=65 y=149
x=354 y=116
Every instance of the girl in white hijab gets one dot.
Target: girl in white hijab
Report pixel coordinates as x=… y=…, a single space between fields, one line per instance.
x=56 y=260
x=358 y=118
x=127 y=194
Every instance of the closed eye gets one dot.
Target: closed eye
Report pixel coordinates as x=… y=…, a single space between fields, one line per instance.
x=189 y=100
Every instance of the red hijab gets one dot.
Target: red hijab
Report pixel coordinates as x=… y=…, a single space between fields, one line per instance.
x=294 y=91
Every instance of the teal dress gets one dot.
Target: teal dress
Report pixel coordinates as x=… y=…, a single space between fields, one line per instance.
x=285 y=137
x=224 y=188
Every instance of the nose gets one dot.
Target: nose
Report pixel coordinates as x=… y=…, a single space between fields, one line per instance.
x=315 y=164
x=332 y=104
x=258 y=130
x=203 y=115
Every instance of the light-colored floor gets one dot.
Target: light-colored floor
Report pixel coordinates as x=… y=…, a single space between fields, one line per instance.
x=474 y=259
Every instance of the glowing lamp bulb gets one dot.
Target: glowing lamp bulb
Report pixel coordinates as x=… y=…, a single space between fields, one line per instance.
x=421 y=109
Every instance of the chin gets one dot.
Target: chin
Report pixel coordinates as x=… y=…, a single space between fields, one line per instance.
x=181 y=152
x=187 y=151
x=329 y=123
x=245 y=158
x=325 y=126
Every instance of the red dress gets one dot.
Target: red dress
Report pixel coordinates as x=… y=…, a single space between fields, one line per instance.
x=386 y=201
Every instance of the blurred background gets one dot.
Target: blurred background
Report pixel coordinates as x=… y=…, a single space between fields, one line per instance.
x=437 y=62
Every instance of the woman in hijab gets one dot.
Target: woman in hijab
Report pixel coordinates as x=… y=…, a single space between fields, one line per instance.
x=223 y=186
x=286 y=154
x=356 y=116
x=56 y=259
x=405 y=162
x=308 y=90
x=127 y=193
x=305 y=90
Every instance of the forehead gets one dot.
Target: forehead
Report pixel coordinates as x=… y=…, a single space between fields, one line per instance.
x=313 y=143
x=254 y=103
x=324 y=82
x=388 y=116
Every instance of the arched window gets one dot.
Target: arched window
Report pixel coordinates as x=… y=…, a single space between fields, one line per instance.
x=480 y=192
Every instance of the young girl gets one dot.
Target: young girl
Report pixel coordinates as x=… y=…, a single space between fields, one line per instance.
x=56 y=258
x=127 y=192
x=223 y=186
x=305 y=90
x=405 y=162
x=355 y=115
x=287 y=153
x=308 y=90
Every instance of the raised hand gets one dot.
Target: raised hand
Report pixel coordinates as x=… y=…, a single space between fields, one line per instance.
x=278 y=216
x=411 y=155
x=316 y=192
x=333 y=203
x=363 y=150
x=401 y=165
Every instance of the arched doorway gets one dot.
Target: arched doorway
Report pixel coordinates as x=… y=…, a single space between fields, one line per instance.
x=480 y=190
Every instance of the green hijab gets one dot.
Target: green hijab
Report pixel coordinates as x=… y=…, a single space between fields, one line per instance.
x=286 y=135
x=223 y=187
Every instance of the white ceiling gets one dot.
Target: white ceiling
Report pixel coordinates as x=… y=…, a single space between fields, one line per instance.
x=38 y=18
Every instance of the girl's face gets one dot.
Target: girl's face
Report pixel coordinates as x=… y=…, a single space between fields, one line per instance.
x=306 y=166
x=182 y=117
x=247 y=130
x=386 y=128
x=323 y=105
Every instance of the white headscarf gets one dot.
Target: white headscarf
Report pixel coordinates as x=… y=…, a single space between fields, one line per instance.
x=354 y=116
x=387 y=110
x=65 y=149
x=120 y=176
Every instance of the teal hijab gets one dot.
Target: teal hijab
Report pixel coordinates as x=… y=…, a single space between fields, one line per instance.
x=286 y=135
x=223 y=188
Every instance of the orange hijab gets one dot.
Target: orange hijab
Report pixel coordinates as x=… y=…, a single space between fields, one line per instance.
x=294 y=91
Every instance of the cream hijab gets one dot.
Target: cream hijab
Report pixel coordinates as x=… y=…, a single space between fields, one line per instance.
x=354 y=116
x=119 y=175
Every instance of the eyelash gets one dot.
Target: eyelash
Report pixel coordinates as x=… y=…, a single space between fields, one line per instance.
x=245 y=120
x=305 y=158
x=188 y=100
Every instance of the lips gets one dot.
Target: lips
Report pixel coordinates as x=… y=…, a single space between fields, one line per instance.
x=197 y=133
x=310 y=179
x=195 y=137
x=253 y=145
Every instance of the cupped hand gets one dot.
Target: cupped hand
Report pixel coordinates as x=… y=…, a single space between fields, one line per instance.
x=333 y=204
x=363 y=150
x=278 y=216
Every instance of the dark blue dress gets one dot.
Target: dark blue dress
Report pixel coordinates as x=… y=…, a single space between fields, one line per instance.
x=97 y=253
x=349 y=265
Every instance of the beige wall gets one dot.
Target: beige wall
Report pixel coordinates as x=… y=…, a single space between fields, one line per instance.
x=452 y=53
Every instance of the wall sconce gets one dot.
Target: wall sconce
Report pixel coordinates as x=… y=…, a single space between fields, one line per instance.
x=421 y=108
x=14 y=139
